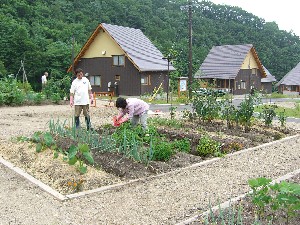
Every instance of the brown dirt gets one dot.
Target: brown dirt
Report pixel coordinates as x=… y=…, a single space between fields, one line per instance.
x=110 y=168
x=24 y=121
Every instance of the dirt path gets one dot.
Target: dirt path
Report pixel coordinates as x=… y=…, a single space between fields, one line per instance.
x=25 y=120
x=166 y=199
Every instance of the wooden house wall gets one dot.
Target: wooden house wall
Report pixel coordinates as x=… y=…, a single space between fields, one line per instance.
x=155 y=78
x=266 y=87
x=130 y=77
x=251 y=80
x=130 y=80
x=291 y=89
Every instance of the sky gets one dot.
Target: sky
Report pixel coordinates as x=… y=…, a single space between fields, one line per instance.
x=284 y=13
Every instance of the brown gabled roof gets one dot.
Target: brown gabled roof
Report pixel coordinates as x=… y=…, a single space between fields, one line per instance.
x=224 y=62
x=292 y=77
x=137 y=47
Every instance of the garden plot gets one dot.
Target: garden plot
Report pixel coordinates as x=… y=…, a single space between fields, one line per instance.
x=112 y=167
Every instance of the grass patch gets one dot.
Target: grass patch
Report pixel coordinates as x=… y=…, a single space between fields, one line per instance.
x=278 y=95
x=289 y=112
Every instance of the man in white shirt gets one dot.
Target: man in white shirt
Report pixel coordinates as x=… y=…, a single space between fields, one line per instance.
x=81 y=96
x=44 y=79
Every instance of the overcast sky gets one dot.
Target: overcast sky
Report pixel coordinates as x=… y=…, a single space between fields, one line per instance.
x=285 y=13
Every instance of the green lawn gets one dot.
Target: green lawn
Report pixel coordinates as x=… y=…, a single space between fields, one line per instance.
x=290 y=112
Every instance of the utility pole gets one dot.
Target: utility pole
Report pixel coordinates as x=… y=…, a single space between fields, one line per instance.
x=190 y=74
x=73 y=56
x=169 y=58
x=190 y=60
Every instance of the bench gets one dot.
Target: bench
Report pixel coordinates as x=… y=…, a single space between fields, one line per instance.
x=110 y=94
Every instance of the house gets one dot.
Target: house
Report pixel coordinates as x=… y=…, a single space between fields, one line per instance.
x=290 y=83
x=233 y=67
x=267 y=82
x=122 y=56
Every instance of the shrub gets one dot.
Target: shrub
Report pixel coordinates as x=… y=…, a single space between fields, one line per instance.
x=55 y=98
x=231 y=147
x=207 y=107
x=246 y=110
x=268 y=114
x=38 y=98
x=35 y=98
x=162 y=151
x=208 y=146
x=182 y=145
x=60 y=87
x=11 y=93
x=282 y=118
x=1 y=99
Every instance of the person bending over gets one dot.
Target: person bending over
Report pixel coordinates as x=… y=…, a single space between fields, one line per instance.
x=136 y=109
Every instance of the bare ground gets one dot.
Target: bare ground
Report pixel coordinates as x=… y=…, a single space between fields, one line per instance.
x=24 y=121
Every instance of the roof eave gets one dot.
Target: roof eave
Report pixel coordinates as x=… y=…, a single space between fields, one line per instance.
x=85 y=47
x=260 y=66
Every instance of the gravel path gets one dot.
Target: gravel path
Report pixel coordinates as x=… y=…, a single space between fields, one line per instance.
x=167 y=199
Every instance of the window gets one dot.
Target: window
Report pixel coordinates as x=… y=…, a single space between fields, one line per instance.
x=95 y=80
x=145 y=80
x=117 y=77
x=243 y=85
x=118 y=60
x=293 y=88
x=254 y=70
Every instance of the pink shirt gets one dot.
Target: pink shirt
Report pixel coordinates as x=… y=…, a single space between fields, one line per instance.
x=135 y=107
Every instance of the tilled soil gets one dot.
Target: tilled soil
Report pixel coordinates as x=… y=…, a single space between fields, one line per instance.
x=111 y=168
x=163 y=200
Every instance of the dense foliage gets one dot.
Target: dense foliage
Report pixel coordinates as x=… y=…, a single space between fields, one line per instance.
x=43 y=33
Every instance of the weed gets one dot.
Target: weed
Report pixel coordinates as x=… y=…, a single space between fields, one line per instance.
x=172 y=112
x=166 y=122
x=76 y=185
x=297 y=106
